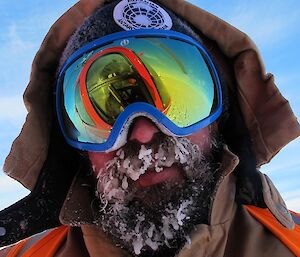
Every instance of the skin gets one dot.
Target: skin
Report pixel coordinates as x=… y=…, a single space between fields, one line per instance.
x=157 y=192
x=143 y=131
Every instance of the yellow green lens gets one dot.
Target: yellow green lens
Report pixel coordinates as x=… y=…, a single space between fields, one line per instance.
x=179 y=71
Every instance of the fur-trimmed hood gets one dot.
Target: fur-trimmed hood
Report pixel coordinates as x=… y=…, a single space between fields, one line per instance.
x=267 y=115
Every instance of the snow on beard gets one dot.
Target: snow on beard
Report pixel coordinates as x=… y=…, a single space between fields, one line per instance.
x=139 y=226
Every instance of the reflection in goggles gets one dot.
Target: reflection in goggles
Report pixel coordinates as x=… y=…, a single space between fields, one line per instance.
x=112 y=84
x=170 y=74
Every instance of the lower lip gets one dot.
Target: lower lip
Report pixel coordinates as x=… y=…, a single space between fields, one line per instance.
x=173 y=174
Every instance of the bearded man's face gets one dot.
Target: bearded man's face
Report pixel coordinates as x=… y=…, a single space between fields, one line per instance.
x=156 y=188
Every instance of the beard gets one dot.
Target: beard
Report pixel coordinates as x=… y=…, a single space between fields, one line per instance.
x=159 y=219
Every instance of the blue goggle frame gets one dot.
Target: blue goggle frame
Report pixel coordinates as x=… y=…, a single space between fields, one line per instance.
x=140 y=108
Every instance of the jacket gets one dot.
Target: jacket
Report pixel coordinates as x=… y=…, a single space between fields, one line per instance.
x=232 y=229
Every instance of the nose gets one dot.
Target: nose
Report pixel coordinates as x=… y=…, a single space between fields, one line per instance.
x=143 y=130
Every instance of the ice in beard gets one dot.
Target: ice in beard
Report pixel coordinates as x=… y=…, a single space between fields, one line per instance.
x=114 y=180
x=147 y=234
x=124 y=168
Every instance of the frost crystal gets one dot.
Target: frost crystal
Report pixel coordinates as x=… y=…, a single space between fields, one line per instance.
x=114 y=189
x=174 y=223
x=151 y=230
x=124 y=183
x=138 y=224
x=166 y=228
x=153 y=245
x=138 y=245
x=158 y=169
x=181 y=215
x=144 y=152
x=181 y=153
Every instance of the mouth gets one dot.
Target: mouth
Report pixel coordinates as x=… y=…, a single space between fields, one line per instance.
x=140 y=168
x=172 y=174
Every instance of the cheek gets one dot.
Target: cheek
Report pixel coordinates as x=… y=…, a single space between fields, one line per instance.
x=98 y=160
x=202 y=138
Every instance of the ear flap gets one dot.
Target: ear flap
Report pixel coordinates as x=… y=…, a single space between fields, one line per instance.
x=237 y=137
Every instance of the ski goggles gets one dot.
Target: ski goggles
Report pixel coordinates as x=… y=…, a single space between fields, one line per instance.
x=163 y=75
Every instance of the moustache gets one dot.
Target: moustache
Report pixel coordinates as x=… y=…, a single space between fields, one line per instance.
x=134 y=159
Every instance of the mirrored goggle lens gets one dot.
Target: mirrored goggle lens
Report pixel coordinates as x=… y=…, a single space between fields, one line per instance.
x=169 y=74
x=112 y=83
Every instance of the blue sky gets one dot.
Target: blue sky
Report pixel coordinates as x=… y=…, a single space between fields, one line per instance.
x=273 y=25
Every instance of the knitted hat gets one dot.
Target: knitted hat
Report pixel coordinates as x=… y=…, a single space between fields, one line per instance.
x=102 y=23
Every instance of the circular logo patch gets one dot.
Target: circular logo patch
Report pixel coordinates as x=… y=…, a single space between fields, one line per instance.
x=141 y=14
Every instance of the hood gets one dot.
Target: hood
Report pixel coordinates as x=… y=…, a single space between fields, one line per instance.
x=267 y=114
